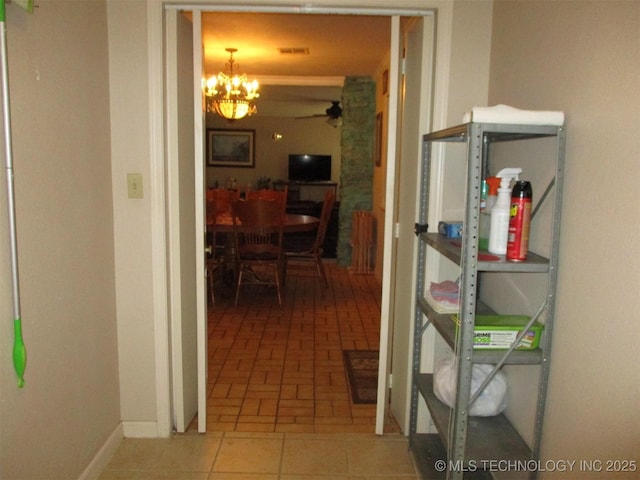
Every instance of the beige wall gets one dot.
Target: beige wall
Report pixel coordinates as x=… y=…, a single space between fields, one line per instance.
x=582 y=58
x=55 y=425
x=129 y=83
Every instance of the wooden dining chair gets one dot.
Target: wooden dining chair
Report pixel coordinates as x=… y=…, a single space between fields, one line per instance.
x=224 y=198
x=257 y=227
x=312 y=251
x=213 y=258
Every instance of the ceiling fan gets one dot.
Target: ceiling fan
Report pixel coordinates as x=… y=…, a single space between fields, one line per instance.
x=333 y=114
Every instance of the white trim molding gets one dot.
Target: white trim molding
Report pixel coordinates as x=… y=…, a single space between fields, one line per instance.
x=155 y=30
x=102 y=458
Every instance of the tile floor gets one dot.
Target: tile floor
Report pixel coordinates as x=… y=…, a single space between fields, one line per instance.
x=280 y=369
x=263 y=456
x=279 y=406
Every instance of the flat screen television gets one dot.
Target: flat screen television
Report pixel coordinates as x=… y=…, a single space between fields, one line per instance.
x=309 y=168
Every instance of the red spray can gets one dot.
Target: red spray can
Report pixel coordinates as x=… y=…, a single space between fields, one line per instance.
x=519 y=221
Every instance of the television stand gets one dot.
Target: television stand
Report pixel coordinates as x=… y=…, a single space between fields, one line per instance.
x=300 y=191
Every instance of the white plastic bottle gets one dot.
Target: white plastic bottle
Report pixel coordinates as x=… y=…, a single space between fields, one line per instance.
x=499 y=231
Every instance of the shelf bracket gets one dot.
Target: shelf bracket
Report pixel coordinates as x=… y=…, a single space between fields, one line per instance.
x=424 y=327
x=421 y=228
x=542 y=198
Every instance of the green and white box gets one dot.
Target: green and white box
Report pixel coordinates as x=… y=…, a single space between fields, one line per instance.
x=498 y=332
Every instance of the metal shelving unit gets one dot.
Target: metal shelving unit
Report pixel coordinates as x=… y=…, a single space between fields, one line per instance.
x=464 y=441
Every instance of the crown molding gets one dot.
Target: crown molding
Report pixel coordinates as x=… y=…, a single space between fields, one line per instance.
x=299 y=81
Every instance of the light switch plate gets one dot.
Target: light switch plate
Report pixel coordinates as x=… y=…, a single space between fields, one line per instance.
x=134 y=185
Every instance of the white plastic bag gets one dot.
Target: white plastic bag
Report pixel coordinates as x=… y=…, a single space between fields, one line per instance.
x=493 y=399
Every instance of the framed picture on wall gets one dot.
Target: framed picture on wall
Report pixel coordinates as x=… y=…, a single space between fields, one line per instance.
x=231 y=148
x=378 y=140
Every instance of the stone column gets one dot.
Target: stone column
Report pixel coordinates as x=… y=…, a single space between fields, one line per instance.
x=356 y=170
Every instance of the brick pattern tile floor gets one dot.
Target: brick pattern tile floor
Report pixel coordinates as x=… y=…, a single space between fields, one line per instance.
x=280 y=369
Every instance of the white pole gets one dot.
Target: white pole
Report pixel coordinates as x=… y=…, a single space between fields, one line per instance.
x=19 y=351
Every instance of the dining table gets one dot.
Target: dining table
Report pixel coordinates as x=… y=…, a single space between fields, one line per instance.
x=293 y=223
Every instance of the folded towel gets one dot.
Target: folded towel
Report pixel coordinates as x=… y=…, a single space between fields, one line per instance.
x=446 y=287
x=511 y=115
x=441 y=306
x=443 y=297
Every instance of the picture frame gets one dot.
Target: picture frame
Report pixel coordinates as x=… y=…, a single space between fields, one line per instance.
x=378 y=140
x=231 y=148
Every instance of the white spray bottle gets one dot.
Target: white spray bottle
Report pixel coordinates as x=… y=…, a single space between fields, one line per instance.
x=499 y=231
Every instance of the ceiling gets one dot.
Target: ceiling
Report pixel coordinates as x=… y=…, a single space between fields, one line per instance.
x=334 y=46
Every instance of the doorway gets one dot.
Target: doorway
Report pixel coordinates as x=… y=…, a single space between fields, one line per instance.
x=393 y=103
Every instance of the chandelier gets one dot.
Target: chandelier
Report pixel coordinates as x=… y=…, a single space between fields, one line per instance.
x=230 y=95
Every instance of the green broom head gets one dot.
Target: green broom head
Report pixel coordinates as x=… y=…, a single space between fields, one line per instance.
x=19 y=352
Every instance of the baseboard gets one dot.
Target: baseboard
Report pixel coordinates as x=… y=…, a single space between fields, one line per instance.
x=140 y=429
x=102 y=458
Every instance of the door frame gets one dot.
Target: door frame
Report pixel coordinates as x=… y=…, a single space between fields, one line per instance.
x=156 y=67
x=185 y=156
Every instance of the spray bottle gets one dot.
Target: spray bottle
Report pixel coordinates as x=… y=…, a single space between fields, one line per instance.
x=500 y=213
x=485 y=211
x=520 y=217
